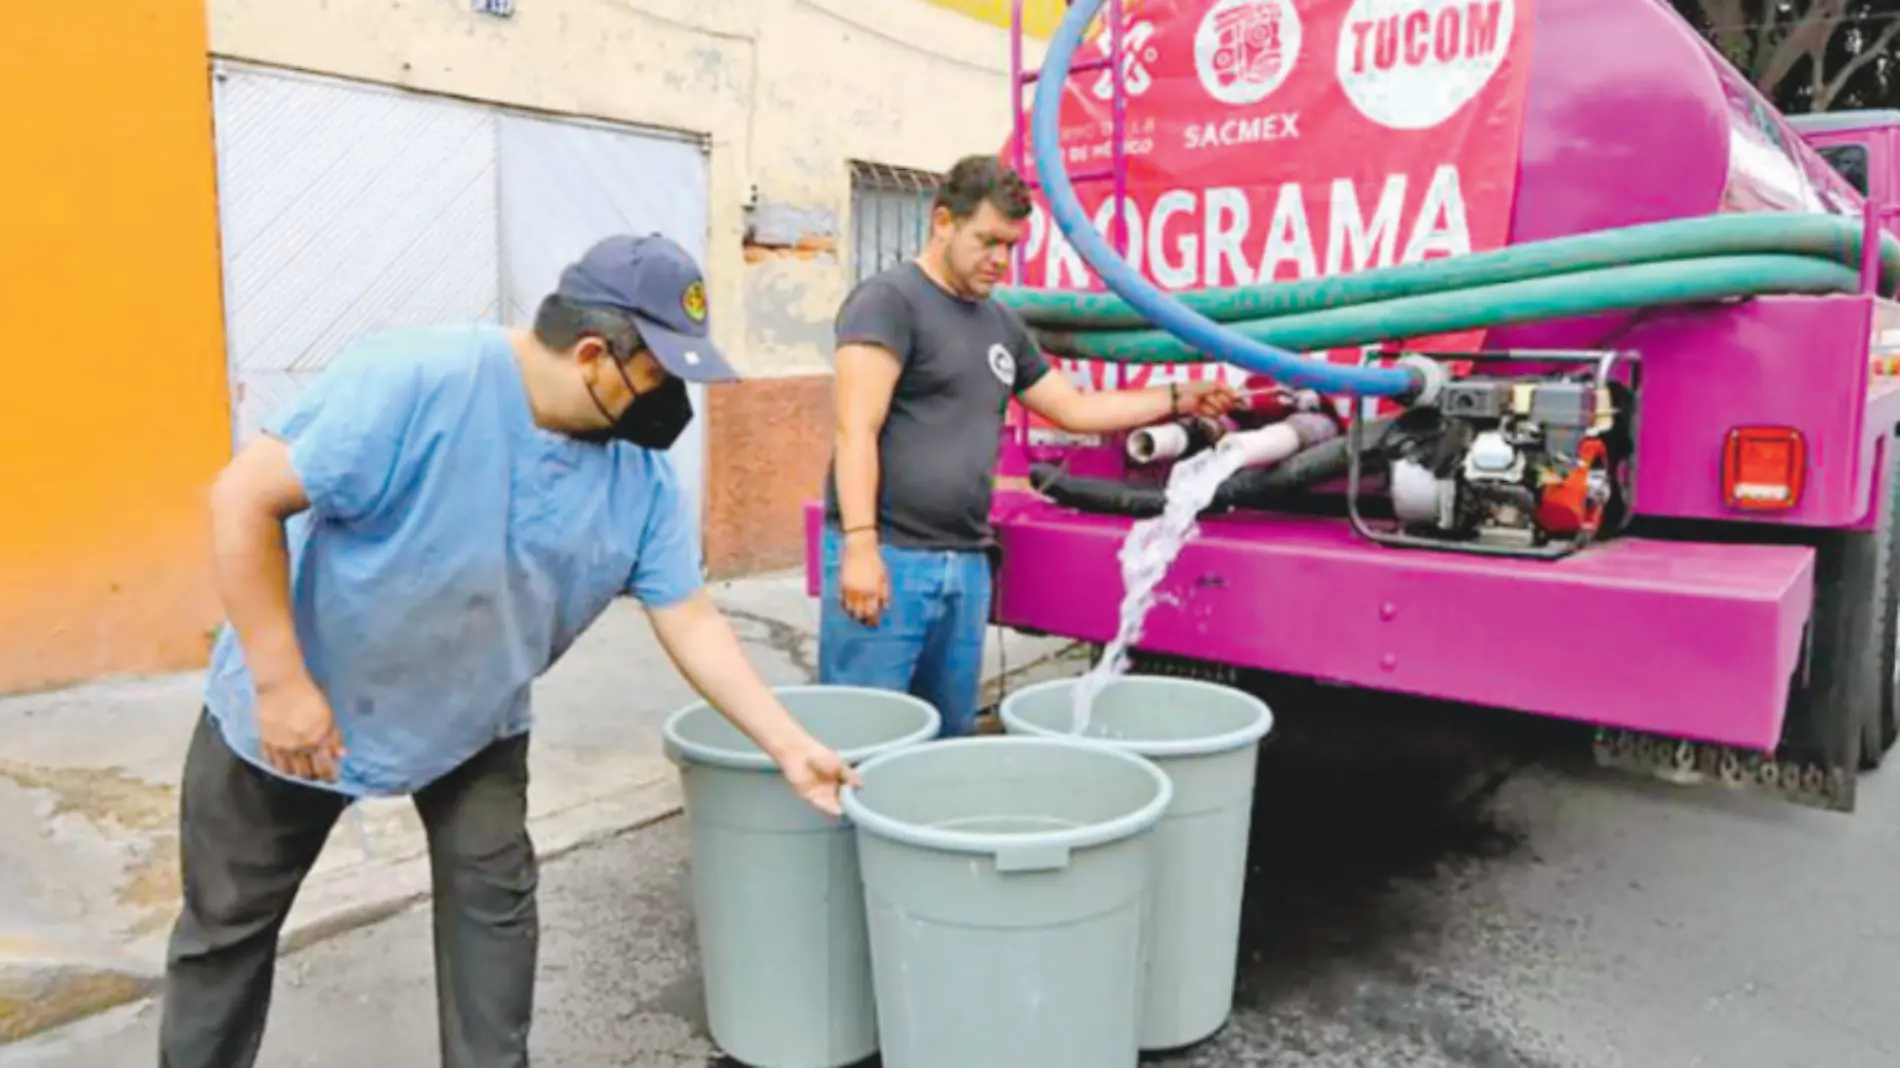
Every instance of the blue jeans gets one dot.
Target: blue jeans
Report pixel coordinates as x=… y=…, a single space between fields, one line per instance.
x=929 y=640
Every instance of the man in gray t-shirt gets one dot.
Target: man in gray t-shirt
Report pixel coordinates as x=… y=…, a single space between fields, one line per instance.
x=926 y=365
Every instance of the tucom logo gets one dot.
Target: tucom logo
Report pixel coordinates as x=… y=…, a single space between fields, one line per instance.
x=1412 y=64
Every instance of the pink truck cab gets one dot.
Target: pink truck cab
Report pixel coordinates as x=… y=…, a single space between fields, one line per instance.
x=1643 y=474
x=1860 y=145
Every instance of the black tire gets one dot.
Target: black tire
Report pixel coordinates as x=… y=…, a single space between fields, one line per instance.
x=1881 y=728
x=1829 y=710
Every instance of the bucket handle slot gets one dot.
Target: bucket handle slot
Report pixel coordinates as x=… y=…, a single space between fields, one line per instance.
x=1032 y=856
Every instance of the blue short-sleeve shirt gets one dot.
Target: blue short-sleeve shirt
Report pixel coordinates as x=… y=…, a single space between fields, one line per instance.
x=452 y=552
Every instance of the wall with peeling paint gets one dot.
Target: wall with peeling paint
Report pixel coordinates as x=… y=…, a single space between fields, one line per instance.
x=787 y=91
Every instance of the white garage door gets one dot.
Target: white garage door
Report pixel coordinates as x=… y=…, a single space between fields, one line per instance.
x=563 y=186
x=346 y=207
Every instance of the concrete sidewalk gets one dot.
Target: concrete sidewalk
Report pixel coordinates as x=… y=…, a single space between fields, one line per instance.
x=88 y=799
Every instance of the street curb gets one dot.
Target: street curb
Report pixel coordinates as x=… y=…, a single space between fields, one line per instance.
x=45 y=986
x=344 y=905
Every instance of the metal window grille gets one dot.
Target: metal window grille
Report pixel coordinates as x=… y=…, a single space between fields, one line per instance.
x=890 y=215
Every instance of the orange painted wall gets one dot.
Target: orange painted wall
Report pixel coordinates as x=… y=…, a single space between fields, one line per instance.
x=113 y=411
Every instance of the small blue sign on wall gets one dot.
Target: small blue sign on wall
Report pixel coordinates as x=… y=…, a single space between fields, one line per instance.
x=501 y=9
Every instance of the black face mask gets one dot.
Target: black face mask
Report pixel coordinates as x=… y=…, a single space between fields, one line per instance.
x=655 y=419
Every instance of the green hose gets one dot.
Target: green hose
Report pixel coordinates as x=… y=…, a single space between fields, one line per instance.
x=1560 y=296
x=1680 y=261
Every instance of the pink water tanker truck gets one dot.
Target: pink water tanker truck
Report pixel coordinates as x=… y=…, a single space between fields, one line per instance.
x=1605 y=348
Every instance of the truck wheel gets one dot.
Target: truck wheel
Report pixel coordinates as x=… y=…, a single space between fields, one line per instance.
x=1881 y=728
x=1838 y=693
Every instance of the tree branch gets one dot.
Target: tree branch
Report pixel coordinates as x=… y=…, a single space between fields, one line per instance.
x=1728 y=25
x=1808 y=36
x=1825 y=95
x=1765 y=33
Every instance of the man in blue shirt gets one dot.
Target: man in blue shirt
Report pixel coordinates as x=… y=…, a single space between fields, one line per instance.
x=418 y=537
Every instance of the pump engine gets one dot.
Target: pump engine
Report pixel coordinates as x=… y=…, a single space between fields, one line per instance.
x=1502 y=464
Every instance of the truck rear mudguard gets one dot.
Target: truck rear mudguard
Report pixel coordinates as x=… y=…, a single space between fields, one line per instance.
x=1691 y=640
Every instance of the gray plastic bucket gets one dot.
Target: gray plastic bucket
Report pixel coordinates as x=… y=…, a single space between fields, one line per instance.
x=777 y=903
x=1206 y=737
x=1005 y=884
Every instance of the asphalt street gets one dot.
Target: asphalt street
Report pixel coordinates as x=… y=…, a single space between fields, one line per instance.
x=1429 y=887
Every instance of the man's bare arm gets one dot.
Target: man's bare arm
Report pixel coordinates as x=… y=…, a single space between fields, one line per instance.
x=866 y=378
x=1056 y=399
x=250 y=500
x=702 y=645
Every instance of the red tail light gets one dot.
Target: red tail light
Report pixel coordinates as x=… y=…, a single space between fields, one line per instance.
x=1764 y=468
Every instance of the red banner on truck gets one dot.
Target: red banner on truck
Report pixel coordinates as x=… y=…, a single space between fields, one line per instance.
x=1274 y=140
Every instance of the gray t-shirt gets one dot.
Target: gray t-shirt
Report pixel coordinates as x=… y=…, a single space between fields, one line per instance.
x=962 y=360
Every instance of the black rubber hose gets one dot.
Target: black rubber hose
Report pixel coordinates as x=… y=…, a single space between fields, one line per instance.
x=1102 y=496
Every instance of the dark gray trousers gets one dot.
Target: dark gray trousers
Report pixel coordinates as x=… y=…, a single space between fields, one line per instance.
x=247 y=840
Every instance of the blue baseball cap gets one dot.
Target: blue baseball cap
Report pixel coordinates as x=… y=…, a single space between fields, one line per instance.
x=657 y=282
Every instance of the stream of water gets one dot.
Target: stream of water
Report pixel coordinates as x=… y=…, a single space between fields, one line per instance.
x=1147 y=553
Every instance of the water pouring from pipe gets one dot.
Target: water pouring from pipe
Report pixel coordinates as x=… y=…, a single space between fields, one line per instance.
x=1153 y=544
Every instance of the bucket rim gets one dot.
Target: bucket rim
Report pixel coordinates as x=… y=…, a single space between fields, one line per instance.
x=685 y=749
x=1005 y=847
x=1262 y=725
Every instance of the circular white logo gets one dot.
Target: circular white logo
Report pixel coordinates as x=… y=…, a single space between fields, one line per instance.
x=1003 y=365
x=1411 y=64
x=1244 y=49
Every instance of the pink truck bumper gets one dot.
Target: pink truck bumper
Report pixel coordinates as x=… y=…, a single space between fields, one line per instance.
x=1693 y=640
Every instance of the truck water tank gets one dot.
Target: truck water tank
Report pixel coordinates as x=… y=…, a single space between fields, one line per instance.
x=1271 y=140
x=1633 y=117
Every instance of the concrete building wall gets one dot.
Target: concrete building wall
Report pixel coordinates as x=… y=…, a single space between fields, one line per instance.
x=117 y=415
x=788 y=91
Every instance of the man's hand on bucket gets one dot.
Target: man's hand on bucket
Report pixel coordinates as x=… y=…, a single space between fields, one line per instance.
x=816 y=774
x=707 y=651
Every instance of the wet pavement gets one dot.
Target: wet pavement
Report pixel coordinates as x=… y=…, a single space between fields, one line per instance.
x=1430 y=887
